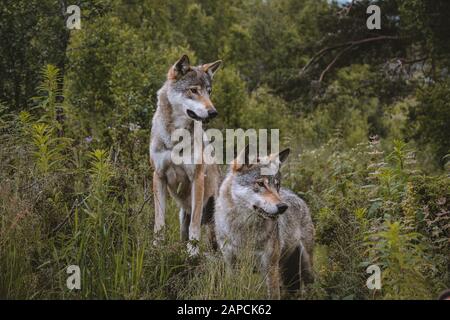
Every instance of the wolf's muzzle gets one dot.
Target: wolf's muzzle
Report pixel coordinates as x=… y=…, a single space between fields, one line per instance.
x=282 y=207
x=194 y=116
x=212 y=113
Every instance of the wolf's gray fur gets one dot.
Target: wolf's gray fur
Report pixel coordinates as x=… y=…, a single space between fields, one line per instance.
x=248 y=210
x=183 y=99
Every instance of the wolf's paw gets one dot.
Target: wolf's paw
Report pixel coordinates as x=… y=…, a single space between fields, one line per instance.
x=158 y=240
x=193 y=249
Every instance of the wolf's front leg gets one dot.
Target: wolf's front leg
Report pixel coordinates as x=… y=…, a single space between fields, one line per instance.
x=159 y=196
x=271 y=265
x=273 y=282
x=184 y=224
x=197 y=193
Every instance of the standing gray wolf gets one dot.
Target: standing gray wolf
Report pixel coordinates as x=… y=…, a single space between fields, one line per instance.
x=252 y=207
x=183 y=99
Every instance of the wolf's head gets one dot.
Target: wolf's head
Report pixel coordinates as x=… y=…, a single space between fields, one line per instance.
x=255 y=191
x=189 y=88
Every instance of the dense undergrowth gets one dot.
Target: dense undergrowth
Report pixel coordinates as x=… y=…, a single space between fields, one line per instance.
x=64 y=201
x=365 y=112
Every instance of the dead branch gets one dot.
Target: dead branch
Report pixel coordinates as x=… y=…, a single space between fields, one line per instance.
x=330 y=65
x=347 y=46
x=66 y=219
x=318 y=55
x=147 y=198
x=404 y=61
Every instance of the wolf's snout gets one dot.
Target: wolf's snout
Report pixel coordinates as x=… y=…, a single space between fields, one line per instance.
x=212 y=113
x=282 y=207
x=193 y=115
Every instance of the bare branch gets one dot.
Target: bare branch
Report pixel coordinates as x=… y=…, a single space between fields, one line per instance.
x=330 y=65
x=146 y=200
x=404 y=61
x=319 y=54
x=66 y=219
x=347 y=46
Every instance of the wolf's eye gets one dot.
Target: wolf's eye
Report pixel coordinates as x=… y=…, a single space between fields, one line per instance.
x=194 y=90
x=209 y=91
x=260 y=183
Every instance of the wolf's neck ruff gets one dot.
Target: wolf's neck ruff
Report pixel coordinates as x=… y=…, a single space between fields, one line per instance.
x=171 y=117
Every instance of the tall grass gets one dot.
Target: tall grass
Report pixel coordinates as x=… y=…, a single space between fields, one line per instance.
x=68 y=200
x=215 y=280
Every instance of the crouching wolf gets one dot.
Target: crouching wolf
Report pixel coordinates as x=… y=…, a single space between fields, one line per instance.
x=251 y=207
x=183 y=99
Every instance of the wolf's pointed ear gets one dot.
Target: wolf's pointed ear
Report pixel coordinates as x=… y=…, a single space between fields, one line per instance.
x=242 y=160
x=211 y=68
x=180 y=68
x=283 y=155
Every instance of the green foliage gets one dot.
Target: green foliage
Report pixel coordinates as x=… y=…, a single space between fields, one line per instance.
x=369 y=142
x=370 y=209
x=230 y=98
x=35 y=34
x=401 y=256
x=261 y=104
x=49 y=148
x=431 y=118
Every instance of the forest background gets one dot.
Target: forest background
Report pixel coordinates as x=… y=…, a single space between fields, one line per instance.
x=365 y=112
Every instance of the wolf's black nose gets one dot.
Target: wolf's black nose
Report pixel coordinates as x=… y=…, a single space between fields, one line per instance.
x=212 y=113
x=282 y=207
